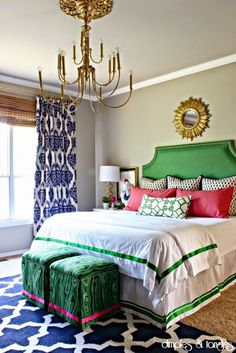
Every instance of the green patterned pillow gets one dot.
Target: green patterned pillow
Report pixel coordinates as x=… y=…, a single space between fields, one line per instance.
x=174 y=207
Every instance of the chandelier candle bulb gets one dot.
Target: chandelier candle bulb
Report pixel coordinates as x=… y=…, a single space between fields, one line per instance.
x=63 y=65
x=101 y=48
x=131 y=80
x=40 y=76
x=118 y=60
x=59 y=61
x=109 y=64
x=114 y=62
x=74 y=52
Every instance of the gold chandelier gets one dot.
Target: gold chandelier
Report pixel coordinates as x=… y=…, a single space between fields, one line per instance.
x=86 y=81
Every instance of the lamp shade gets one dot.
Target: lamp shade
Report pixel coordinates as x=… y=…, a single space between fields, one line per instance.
x=109 y=173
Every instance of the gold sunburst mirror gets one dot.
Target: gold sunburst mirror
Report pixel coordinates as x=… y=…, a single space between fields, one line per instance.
x=192 y=118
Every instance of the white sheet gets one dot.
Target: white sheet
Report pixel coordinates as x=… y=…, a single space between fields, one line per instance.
x=223 y=230
x=161 y=243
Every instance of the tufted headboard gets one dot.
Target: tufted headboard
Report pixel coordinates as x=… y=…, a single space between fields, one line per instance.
x=210 y=159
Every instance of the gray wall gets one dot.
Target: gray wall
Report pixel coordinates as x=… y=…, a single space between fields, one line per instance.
x=127 y=136
x=15 y=239
x=85 y=131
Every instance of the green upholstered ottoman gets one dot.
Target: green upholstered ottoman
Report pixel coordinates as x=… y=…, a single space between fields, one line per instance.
x=35 y=272
x=84 y=289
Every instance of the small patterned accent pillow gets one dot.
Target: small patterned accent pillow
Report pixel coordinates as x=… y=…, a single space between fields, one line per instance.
x=158 y=184
x=215 y=184
x=184 y=184
x=173 y=207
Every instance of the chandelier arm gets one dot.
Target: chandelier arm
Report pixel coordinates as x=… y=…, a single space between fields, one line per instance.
x=101 y=54
x=117 y=106
x=76 y=103
x=61 y=71
x=90 y=99
x=79 y=96
x=41 y=84
x=78 y=63
x=64 y=81
x=91 y=105
x=95 y=61
x=130 y=85
x=74 y=55
x=62 y=78
x=73 y=100
x=104 y=84
x=114 y=89
x=47 y=98
x=77 y=100
x=82 y=58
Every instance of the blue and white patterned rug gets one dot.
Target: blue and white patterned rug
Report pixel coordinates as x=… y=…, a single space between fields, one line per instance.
x=26 y=328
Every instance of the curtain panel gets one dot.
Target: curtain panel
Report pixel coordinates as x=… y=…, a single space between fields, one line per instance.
x=55 y=176
x=17 y=111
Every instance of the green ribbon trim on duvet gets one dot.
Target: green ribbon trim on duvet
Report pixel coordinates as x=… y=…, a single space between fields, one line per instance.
x=131 y=257
x=164 y=320
x=199 y=300
x=186 y=257
x=103 y=251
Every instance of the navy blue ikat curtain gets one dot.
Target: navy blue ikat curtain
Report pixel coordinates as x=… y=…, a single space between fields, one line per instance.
x=55 y=176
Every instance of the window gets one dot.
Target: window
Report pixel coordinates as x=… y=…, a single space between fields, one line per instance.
x=17 y=166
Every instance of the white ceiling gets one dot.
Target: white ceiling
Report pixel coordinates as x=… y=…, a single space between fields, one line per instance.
x=155 y=36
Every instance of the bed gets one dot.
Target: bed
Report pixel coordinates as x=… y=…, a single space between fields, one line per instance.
x=169 y=267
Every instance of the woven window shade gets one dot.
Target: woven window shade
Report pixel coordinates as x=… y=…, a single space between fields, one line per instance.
x=17 y=111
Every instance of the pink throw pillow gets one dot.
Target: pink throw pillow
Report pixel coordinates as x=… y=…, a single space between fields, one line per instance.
x=137 y=193
x=213 y=203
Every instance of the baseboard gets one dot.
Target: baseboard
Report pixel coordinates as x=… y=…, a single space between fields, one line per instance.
x=12 y=253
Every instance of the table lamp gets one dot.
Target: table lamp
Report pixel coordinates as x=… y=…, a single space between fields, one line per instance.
x=109 y=174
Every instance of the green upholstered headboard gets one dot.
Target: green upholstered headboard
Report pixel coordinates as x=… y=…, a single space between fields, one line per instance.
x=210 y=159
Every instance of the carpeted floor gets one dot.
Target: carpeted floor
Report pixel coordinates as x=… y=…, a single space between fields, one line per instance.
x=26 y=328
x=218 y=317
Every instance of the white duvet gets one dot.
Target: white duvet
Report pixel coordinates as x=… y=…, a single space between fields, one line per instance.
x=144 y=247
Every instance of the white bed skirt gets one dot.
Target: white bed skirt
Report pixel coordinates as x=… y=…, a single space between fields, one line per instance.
x=190 y=296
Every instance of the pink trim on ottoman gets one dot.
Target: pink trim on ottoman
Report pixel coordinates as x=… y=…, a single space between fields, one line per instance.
x=64 y=312
x=97 y=315
x=86 y=319
x=33 y=296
